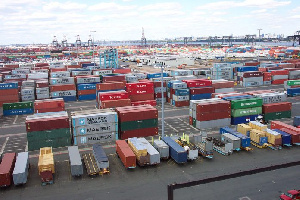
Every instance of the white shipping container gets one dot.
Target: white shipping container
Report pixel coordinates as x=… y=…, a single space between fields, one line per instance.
x=63 y=93
x=61 y=81
x=38 y=75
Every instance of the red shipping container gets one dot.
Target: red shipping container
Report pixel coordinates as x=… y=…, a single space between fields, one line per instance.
x=280 y=125
x=72 y=66
x=9 y=92
x=145 y=80
x=220 y=95
x=46 y=176
x=110 y=86
x=203 y=90
x=55 y=88
x=58 y=109
x=252 y=74
x=182 y=103
x=262 y=69
x=6 y=98
x=103 y=96
x=11 y=66
x=223 y=84
x=145 y=132
x=147 y=102
x=58 y=69
x=213 y=107
x=6 y=169
x=84 y=92
x=279 y=81
x=198 y=83
x=280 y=72
x=158 y=95
x=122 y=71
x=276 y=107
x=49 y=103
x=251 y=63
x=115 y=103
x=158 y=84
x=213 y=115
x=47 y=124
x=135 y=113
x=140 y=88
x=42 y=84
x=125 y=153
x=259 y=92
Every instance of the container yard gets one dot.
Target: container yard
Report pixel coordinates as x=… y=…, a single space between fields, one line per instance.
x=73 y=122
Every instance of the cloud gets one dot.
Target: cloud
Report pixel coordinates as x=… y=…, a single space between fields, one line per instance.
x=66 y=6
x=259 y=11
x=295 y=17
x=109 y=7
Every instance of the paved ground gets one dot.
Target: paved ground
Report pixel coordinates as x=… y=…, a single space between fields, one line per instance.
x=151 y=182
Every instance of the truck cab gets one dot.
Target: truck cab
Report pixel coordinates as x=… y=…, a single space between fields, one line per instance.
x=290 y=195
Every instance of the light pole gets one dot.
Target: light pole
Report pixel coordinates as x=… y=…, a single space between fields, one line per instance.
x=93 y=47
x=259 y=33
x=162 y=103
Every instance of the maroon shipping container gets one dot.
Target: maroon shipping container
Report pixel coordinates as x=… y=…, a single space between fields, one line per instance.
x=147 y=102
x=141 y=97
x=6 y=169
x=47 y=124
x=110 y=86
x=46 y=176
x=115 y=103
x=58 y=109
x=182 y=103
x=213 y=115
x=203 y=90
x=114 y=78
x=158 y=84
x=223 y=84
x=55 y=88
x=122 y=71
x=252 y=74
x=49 y=103
x=42 y=84
x=41 y=64
x=134 y=113
x=140 y=88
x=125 y=153
x=9 y=92
x=276 y=107
x=259 y=92
x=145 y=132
x=280 y=72
x=6 y=98
x=190 y=120
x=112 y=96
x=198 y=83
x=158 y=95
x=213 y=107
x=251 y=63
x=63 y=69
x=84 y=92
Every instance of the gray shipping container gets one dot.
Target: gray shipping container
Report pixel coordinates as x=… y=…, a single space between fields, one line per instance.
x=100 y=157
x=154 y=154
x=20 y=172
x=294 y=74
x=43 y=96
x=63 y=93
x=228 y=138
x=95 y=138
x=97 y=118
x=278 y=77
x=95 y=129
x=213 y=123
x=223 y=90
x=181 y=98
x=162 y=148
x=75 y=161
x=29 y=83
x=273 y=97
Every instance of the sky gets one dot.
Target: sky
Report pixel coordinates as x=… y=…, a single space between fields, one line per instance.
x=38 y=21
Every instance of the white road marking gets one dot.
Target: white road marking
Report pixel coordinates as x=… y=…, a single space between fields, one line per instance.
x=244 y=198
x=171 y=127
x=188 y=124
x=4 y=145
x=26 y=147
x=296 y=103
x=15 y=119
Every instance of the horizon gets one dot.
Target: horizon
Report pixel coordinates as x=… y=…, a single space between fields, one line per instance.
x=38 y=21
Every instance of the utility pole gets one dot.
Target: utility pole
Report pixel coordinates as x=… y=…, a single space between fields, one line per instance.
x=93 y=47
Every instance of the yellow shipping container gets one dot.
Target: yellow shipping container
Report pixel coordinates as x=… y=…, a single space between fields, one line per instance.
x=244 y=128
x=46 y=160
x=255 y=135
x=138 y=150
x=258 y=126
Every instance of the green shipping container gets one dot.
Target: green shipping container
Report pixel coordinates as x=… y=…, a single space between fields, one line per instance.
x=17 y=105
x=277 y=115
x=49 y=134
x=246 y=112
x=132 y=125
x=54 y=143
x=194 y=122
x=246 y=103
x=293 y=82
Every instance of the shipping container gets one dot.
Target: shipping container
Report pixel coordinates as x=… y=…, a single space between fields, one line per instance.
x=162 y=148
x=6 y=169
x=101 y=158
x=75 y=161
x=153 y=153
x=20 y=172
x=125 y=153
x=228 y=138
x=46 y=165
x=90 y=164
x=140 y=150
x=176 y=151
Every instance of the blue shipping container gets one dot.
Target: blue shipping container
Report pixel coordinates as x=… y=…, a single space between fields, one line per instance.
x=238 y=97
x=86 y=86
x=246 y=68
x=6 y=86
x=22 y=111
x=85 y=65
x=296 y=121
x=263 y=140
x=245 y=140
x=200 y=96
x=182 y=92
x=286 y=138
x=243 y=119
x=176 y=151
x=67 y=98
x=293 y=92
x=86 y=97
x=156 y=75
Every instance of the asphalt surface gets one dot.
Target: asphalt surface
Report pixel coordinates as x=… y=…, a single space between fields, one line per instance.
x=151 y=182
